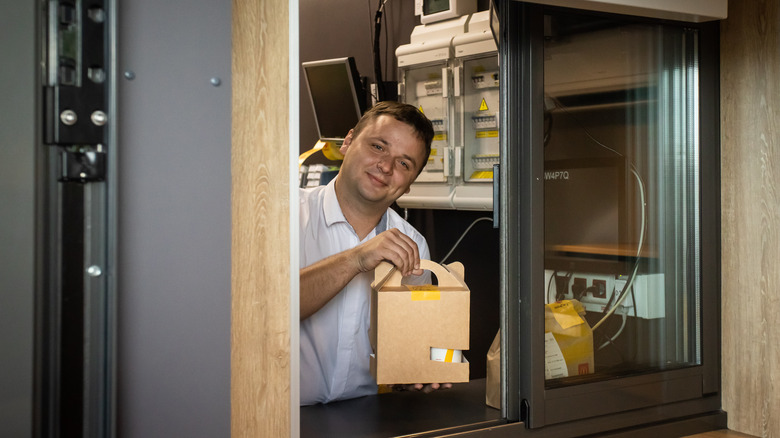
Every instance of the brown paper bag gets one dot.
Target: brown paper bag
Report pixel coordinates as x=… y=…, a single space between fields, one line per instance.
x=493 y=384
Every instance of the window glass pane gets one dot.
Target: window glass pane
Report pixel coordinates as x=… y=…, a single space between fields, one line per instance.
x=621 y=198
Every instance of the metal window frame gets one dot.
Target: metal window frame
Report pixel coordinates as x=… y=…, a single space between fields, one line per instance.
x=606 y=405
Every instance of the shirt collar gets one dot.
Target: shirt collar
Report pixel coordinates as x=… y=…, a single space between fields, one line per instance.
x=330 y=205
x=332 y=209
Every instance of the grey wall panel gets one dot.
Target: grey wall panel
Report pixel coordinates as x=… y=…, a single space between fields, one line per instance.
x=174 y=219
x=18 y=144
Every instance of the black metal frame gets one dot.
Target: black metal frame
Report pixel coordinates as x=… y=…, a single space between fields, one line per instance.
x=75 y=299
x=606 y=405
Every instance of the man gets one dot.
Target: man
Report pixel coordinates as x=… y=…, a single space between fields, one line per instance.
x=347 y=229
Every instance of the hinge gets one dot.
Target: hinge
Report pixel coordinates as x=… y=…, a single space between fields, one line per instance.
x=75 y=96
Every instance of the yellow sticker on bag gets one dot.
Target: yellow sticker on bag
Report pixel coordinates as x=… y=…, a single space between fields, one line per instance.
x=426 y=292
x=565 y=315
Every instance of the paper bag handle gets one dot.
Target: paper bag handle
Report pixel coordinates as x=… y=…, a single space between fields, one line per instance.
x=386 y=273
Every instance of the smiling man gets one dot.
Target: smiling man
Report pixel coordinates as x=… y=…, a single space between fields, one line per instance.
x=347 y=229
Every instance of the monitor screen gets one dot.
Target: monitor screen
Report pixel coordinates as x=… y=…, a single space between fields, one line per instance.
x=433 y=11
x=434 y=6
x=336 y=96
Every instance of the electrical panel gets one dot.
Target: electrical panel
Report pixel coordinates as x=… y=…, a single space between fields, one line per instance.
x=449 y=71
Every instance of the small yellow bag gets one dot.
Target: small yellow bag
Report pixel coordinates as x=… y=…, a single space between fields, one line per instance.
x=568 y=342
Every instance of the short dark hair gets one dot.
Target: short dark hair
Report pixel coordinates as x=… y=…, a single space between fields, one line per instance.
x=405 y=113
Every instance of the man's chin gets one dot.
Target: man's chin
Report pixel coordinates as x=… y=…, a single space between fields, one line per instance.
x=376 y=197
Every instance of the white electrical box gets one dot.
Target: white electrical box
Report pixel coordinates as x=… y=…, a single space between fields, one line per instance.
x=597 y=291
x=449 y=71
x=476 y=102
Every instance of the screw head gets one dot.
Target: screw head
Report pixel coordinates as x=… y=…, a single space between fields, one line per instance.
x=69 y=117
x=99 y=118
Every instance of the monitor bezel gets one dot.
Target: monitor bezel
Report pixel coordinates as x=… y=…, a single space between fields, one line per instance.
x=353 y=78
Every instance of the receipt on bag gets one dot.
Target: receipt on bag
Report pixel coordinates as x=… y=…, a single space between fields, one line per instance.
x=554 y=363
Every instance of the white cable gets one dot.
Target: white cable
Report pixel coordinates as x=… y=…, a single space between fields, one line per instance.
x=485 y=218
x=612 y=339
x=628 y=285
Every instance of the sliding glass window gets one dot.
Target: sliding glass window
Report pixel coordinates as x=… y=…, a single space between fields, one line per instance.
x=621 y=198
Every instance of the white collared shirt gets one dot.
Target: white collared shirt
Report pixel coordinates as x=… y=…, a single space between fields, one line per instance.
x=334 y=341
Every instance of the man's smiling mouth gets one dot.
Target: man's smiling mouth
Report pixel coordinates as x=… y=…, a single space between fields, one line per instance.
x=376 y=180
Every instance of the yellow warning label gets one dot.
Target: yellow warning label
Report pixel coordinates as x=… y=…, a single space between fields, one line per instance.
x=483 y=106
x=421 y=110
x=482 y=174
x=487 y=134
x=440 y=137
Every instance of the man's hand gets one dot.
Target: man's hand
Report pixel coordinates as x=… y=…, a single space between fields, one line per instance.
x=320 y=282
x=430 y=387
x=392 y=246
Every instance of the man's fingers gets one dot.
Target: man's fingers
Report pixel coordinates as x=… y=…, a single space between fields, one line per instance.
x=430 y=387
x=400 y=250
x=393 y=246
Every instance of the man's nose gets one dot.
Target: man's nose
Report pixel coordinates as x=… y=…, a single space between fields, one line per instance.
x=385 y=165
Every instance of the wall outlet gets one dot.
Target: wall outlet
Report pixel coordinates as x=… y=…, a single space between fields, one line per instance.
x=595 y=290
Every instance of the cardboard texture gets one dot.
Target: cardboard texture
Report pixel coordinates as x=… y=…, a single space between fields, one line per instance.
x=493 y=380
x=406 y=324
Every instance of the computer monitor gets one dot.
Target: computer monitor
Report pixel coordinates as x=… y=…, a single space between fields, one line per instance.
x=337 y=96
x=439 y=10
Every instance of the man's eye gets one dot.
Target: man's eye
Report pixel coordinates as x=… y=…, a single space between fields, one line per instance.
x=378 y=147
x=405 y=164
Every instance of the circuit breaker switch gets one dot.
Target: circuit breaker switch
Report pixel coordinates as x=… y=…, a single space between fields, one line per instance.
x=433 y=87
x=485 y=121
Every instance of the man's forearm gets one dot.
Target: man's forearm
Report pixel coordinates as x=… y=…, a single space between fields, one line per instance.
x=320 y=282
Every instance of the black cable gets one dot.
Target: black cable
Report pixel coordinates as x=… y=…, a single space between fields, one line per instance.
x=607 y=340
x=593 y=290
x=380 y=92
x=548 y=124
x=560 y=294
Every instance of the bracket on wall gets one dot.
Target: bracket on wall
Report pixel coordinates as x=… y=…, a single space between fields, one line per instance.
x=75 y=115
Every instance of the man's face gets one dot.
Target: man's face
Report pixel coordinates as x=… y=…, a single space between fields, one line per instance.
x=383 y=160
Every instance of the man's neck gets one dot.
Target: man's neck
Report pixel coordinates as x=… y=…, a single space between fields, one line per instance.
x=363 y=218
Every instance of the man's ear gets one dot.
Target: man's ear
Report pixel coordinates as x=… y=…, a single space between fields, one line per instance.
x=347 y=142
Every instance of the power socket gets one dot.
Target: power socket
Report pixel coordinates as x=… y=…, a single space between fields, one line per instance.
x=595 y=290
